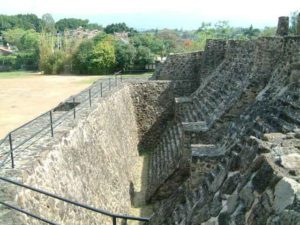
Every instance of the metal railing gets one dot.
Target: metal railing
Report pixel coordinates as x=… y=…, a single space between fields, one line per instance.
x=113 y=216
x=46 y=123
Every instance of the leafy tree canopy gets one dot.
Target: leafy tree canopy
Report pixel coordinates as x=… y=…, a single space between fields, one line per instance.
x=118 y=27
x=23 y=21
x=70 y=24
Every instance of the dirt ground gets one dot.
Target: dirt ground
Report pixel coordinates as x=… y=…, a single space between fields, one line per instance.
x=25 y=97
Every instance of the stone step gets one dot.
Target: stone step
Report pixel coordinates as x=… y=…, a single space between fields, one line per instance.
x=208 y=151
x=199 y=126
x=201 y=110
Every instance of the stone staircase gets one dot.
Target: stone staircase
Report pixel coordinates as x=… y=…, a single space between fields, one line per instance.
x=165 y=158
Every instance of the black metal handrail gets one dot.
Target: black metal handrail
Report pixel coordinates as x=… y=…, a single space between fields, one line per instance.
x=114 y=216
x=28 y=213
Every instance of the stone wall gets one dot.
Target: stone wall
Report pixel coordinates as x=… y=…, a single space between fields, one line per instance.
x=93 y=164
x=153 y=103
x=183 y=66
x=249 y=174
x=154 y=107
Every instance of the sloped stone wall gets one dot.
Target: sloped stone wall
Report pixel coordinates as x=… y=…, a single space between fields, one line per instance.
x=93 y=164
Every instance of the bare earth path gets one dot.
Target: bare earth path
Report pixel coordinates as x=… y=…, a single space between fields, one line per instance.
x=25 y=97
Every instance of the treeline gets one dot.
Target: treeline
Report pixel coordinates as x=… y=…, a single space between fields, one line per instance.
x=49 y=46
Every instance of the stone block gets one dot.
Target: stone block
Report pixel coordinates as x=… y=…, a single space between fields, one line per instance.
x=199 y=126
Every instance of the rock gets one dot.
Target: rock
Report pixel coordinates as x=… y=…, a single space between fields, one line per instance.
x=215 y=206
x=247 y=196
x=200 y=215
x=224 y=219
x=265 y=176
x=232 y=203
x=272 y=137
x=287 y=217
x=230 y=184
x=285 y=192
x=262 y=209
x=221 y=174
x=291 y=161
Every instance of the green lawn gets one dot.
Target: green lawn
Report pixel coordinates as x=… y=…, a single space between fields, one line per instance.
x=19 y=74
x=15 y=74
x=96 y=77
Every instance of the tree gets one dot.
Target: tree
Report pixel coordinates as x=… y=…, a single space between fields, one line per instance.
x=27 y=42
x=144 y=56
x=125 y=55
x=81 y=58
x=70 y=24
x=14 y=36
x=25 y=22
x=251 y=32
x=118 y=27
x=293 y=22
x=268 y=32
x=48 y=23
x=103 y=58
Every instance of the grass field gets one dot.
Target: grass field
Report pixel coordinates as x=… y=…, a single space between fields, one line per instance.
x=25 y=95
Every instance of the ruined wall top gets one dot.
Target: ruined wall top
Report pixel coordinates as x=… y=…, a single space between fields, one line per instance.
x=283 y=26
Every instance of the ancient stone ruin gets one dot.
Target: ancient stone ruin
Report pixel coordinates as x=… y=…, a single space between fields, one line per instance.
x=217 y=133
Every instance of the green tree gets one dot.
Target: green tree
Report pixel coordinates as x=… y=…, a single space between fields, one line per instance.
x=125 y=55
x=48 y=23
x=103 y=58
x=26 y=22
x=251 y=32
x=81 y=58
x=14 y=36
x=144 y=56
x=118 y=27
x=293 y=22
x=27 y=42
x=70 y=24
x=268 y=32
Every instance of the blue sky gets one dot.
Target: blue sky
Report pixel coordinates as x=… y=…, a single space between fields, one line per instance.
x=142 y=14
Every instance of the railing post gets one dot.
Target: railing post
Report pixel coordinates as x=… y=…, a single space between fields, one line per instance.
x=109 y=83
x=51 y=124
x=114 y=220
x=116 y=80
x=90 y=97
x=74 y=109
x=11 y=151
x=101 y=89
x=121 y=78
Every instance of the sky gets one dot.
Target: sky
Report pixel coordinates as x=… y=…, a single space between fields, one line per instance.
x=146 y=14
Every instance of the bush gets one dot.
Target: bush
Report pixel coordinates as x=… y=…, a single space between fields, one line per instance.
x=53 y=63
x=7 y=62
